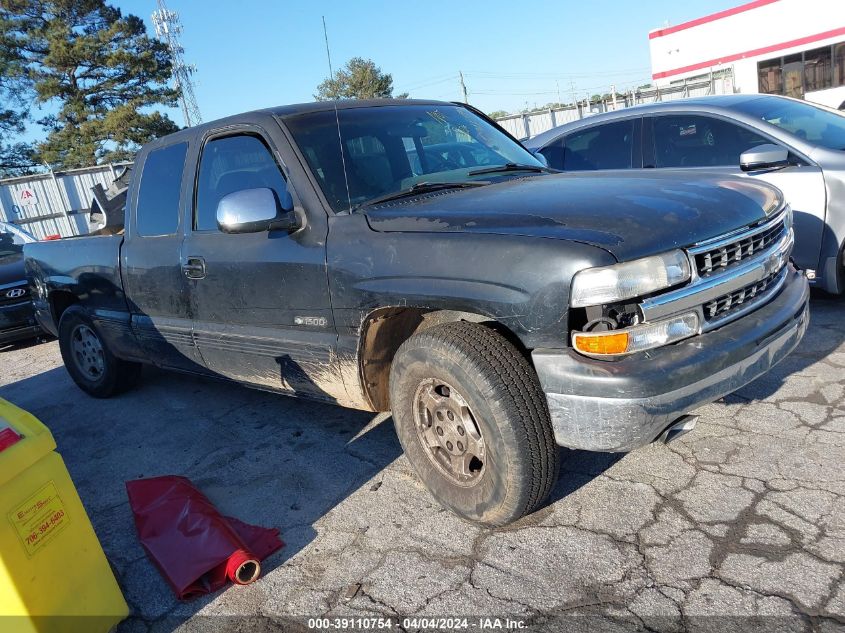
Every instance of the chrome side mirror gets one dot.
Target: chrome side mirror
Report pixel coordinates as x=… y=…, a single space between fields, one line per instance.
x=766 y=156
x=255 y=210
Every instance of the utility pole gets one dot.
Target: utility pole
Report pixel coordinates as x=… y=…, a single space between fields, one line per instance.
x=168 y=28
x=575 y=98
x=463 y=86
x=557 y=84
x=613 y=94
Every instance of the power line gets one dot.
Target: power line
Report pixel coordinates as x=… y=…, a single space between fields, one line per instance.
x=422 y=83
x=511 y=75
x=486 y=74
x=168 y=28
x=546 y=90
x=513 y=94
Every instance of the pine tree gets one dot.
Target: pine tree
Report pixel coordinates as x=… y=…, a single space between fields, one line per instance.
x=15 y=157
x=98 y=70
x=359 y=79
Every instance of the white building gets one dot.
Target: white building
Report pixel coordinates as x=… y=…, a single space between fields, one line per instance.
x=789 y=47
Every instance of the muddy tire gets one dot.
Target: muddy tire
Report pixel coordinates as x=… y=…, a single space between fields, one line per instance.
x=88 y=360
x=473 y=422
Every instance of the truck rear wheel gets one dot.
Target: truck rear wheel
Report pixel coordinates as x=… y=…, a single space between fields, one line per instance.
x=473 y=422
x=88 y=360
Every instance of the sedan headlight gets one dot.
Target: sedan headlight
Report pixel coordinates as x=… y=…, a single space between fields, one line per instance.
x=609 y=284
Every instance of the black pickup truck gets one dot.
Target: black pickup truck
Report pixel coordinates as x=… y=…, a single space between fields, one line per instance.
x=411 y=256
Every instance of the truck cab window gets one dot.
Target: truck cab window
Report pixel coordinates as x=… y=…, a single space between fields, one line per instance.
x=700 y=141
x=601 y=147
x=158 y=197
x=230 y=164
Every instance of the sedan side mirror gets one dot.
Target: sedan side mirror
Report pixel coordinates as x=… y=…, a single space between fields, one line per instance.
x=255 y=210
x=541 y=157
x=766 y=156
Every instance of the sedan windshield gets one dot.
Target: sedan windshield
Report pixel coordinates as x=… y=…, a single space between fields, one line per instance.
x=815 y=125
x=9 y=244
x=389 y=149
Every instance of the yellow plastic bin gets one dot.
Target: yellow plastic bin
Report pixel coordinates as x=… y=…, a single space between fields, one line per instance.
x=54 y=576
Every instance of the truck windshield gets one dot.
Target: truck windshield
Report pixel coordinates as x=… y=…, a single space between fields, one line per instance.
x=815 y=125
x=389 y=149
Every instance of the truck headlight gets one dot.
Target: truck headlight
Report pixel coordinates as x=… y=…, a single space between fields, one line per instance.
x=637 y=338
x=609 y=284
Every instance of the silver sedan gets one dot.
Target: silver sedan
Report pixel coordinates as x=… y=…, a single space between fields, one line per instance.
x=797 y=146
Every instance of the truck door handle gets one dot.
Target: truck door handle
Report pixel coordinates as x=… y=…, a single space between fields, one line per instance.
x=194 y=267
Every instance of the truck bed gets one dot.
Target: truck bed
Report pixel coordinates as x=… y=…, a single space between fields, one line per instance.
x=86 y=267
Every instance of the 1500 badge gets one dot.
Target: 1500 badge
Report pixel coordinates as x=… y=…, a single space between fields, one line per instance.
x=313 y=321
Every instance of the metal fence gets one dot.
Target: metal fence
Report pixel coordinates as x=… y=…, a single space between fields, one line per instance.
x=55 y=203
x=531 y=124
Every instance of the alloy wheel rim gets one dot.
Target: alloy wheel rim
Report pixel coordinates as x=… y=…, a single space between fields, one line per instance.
x=87 y=352
x=449 y=433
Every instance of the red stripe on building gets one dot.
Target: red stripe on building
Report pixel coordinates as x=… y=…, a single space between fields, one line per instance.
x=752 y=53
x=710 y=18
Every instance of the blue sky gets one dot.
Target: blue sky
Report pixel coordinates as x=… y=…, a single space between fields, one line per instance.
x=252 y=54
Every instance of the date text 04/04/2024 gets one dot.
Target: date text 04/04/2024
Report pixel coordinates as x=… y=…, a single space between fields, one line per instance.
x=424 y=623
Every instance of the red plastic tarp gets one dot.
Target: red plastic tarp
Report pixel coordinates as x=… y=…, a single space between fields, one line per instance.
x=195 y=547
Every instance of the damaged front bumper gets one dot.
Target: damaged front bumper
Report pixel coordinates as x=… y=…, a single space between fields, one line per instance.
x=621 y=405
x=17 y=322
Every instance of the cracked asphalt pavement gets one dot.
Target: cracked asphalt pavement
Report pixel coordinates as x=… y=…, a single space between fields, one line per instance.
x=739 y=525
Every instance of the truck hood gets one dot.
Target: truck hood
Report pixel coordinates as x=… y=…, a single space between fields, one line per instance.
x=630 y=214
x=11 y=269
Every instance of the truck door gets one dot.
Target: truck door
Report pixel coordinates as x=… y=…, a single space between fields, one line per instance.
x=260 y=301
x=150 y=261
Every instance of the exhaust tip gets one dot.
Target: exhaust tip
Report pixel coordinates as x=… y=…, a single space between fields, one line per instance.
x=679 y=427
x=248 y=572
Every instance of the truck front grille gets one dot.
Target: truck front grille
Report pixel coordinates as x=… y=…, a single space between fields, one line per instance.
x=733 y=275
x=746 y=245
x=728 y=303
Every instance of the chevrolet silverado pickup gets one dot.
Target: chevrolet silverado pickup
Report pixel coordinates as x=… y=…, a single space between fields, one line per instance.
x=412 y=257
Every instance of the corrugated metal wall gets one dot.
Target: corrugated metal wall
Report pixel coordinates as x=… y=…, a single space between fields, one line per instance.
x=54 y=204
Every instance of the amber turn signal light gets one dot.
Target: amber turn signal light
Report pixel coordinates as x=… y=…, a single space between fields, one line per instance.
x=610 y=343
x=637 y=337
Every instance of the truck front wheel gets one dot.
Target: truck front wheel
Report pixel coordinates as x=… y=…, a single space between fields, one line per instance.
x=473 y=422
x=88 y=360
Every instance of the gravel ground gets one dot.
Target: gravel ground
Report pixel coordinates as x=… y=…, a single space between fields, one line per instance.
x=739 y=525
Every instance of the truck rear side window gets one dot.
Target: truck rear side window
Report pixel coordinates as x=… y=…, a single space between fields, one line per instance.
x=158 y=197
